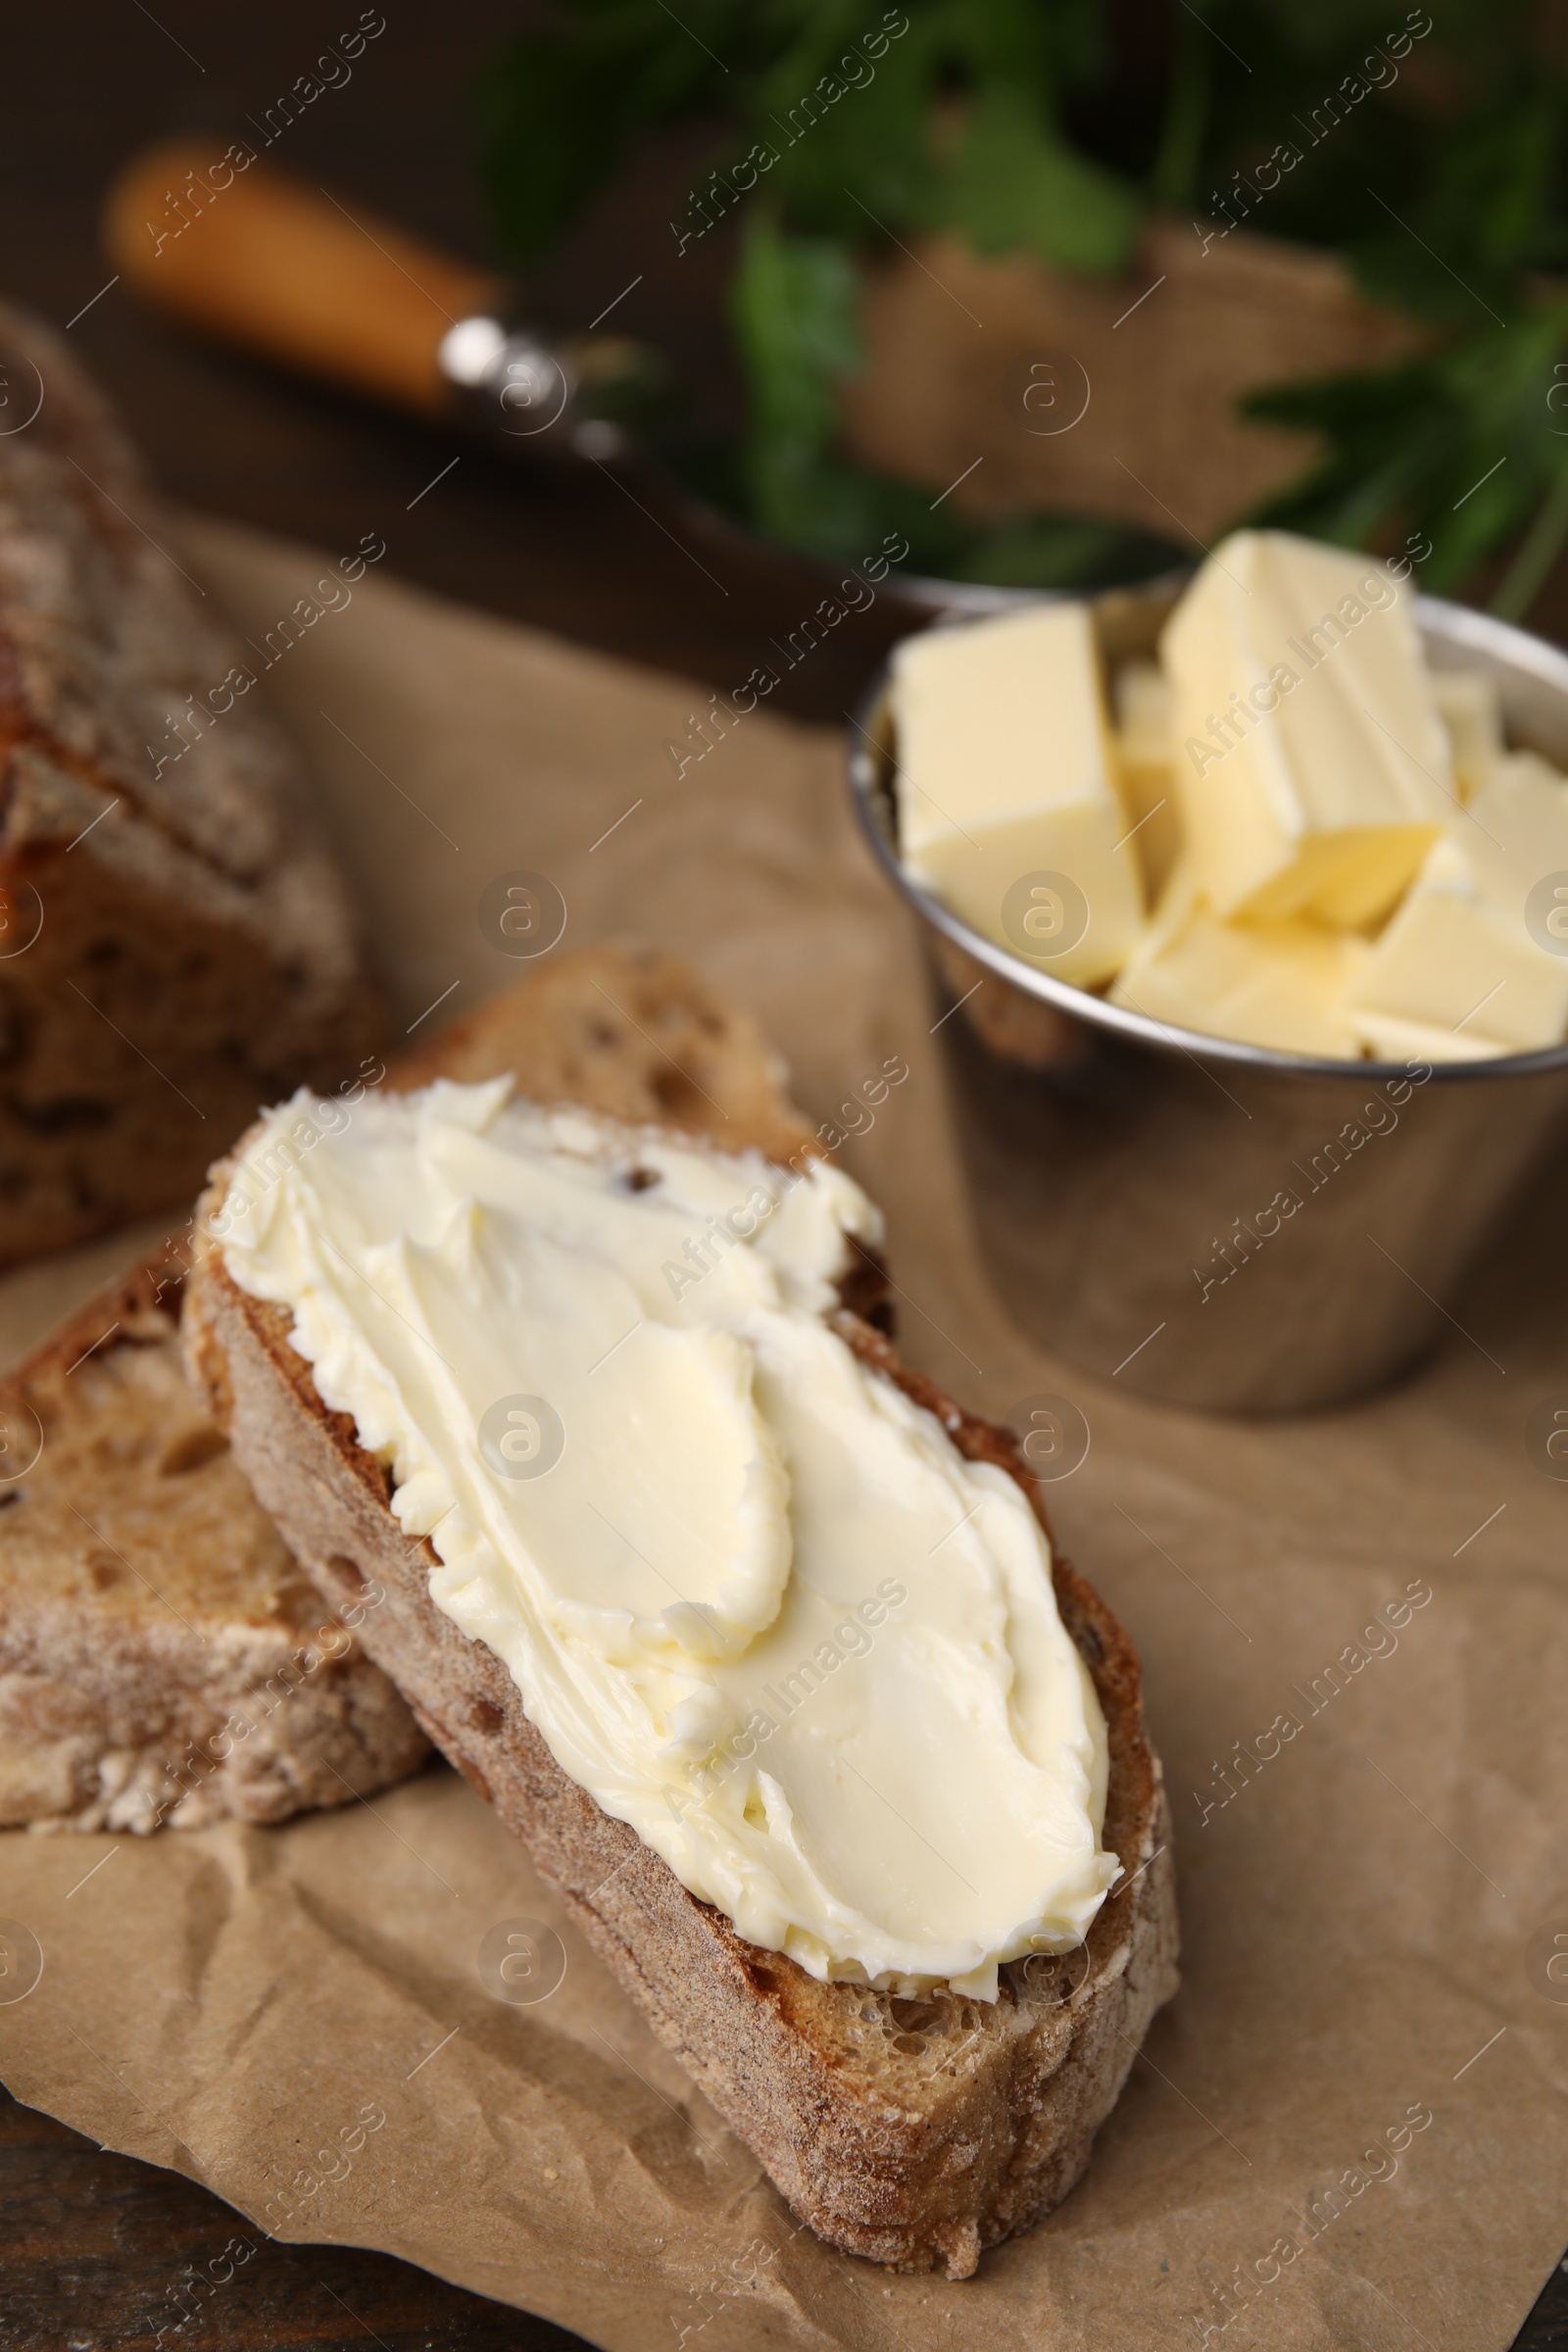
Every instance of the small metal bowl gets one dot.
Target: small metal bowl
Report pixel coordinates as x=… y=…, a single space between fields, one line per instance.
x=1214 y=1223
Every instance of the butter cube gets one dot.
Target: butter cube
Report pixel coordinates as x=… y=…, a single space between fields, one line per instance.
x=1391 y=1040
x=1143 y=700
x=1471 y=712
x=1515 y=829
x=1280 y=985
x=1313 y=768
x=1005 y=772
x=1459 y=957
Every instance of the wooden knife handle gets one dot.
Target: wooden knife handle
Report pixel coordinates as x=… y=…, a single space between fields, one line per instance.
x=239 y=250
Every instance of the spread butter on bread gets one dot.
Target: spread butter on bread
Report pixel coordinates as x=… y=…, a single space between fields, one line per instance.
x=913 y=1982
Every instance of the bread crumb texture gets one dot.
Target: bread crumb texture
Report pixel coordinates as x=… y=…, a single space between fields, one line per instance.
x=163 y=1659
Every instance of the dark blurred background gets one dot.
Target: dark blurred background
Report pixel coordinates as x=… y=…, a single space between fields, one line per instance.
x=89 y=85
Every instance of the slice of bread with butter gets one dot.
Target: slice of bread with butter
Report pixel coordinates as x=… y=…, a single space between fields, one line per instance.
x=751 y=1635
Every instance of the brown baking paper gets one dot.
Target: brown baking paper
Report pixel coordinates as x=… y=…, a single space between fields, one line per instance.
x=1348 y=2129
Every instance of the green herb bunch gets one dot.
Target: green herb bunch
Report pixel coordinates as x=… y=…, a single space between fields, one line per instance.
x=1428 y=149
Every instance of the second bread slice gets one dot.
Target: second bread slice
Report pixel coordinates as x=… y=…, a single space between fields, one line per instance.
x=163 y=1659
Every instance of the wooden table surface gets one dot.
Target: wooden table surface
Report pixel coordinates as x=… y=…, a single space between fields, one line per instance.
x=92 y=2244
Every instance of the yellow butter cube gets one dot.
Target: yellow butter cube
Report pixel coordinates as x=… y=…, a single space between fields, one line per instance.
x=1389 y=1040
x=1471 y=712
x=1313 y=769
x=1466 y=956
x=1281 y=985
x=1143 y=699
x=1006 y=788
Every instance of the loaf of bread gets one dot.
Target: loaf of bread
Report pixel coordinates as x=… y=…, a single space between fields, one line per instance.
x=175 y=946
x=911 y=2131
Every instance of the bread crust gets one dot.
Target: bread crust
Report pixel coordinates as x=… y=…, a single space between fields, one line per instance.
x=162 y=1656
x=630 y=1031
x=913 y=2133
